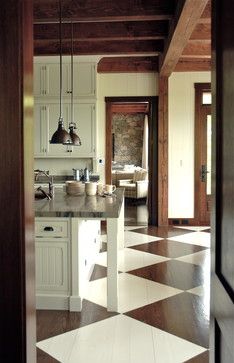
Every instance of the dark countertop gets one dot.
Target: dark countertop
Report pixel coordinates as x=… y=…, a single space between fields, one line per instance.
x=84 y=206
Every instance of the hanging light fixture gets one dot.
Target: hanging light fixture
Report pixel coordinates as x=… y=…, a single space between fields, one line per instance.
x=61 y=136
x=75 y=139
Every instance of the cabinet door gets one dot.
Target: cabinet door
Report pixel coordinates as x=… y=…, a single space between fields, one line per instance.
x=84 y=117
x=52 y=266
x=84 y=80
x=39 y=130
x=47 y=80
x=38 y=80
x=52 y=115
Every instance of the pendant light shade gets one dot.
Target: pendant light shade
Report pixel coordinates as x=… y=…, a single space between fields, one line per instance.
x=61 y=136
x=74 y=137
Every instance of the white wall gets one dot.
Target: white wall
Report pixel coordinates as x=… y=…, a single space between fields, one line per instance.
x=121 y=84
x=181 y=142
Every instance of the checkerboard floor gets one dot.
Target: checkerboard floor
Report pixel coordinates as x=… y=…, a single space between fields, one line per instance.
x=163 y=304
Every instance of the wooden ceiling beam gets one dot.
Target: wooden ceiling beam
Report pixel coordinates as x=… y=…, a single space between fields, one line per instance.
x=188 y=12
x=104 y=31
x=103 y=47
x=201 y=32
x=206 y=15
x=197 y=49
x=127 y=64
x=193 y=65
x=47 y=11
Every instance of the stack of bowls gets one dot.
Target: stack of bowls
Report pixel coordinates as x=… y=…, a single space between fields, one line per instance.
x=74 y=188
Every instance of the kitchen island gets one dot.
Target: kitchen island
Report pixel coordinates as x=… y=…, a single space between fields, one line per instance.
x=67 y=230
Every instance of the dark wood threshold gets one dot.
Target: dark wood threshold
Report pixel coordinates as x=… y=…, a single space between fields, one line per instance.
x=184 y=222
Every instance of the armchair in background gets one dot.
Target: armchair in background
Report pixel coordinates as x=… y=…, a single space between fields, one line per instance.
x=137 y=187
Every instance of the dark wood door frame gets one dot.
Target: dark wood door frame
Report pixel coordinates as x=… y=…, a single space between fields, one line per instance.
x=222 y=256
x=200 y=188
x=17 y=276
x=153 y=147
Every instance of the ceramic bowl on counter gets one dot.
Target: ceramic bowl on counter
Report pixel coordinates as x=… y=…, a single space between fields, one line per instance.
x=74 y=188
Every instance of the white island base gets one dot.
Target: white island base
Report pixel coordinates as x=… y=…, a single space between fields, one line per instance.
x=66 y=249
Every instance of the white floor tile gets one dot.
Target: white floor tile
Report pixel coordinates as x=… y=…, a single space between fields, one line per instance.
x=134 y=238
x=199 y=290
x=119 y=339
x=201 y=258
x=130 y=228
x=195 y=238
x=130 y=259
x=134 y=292
x=194 y=228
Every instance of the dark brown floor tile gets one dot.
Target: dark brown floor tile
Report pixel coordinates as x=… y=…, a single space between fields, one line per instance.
x=163 y=232
x=201 y=358
x=43 y=357
x=173 y=273
x=55 y=322
x=98 y=272
x=168 y=248
x=183 y=315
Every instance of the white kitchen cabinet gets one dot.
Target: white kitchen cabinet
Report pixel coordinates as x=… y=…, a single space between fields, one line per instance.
x=55 y=242
x=84 y=85
x=46 y=123
x=47 y=80
x=84 y=117
x=52 y=266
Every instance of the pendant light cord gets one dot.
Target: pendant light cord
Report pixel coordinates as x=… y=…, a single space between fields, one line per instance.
x=60 y=43
x=72 y=52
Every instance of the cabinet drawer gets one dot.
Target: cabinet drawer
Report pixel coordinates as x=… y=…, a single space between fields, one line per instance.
x=52 y=228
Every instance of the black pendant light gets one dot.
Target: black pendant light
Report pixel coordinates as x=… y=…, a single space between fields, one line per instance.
x=75 y=139
x=61 y=136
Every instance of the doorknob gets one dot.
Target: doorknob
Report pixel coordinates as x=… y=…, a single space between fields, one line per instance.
x=203 y=173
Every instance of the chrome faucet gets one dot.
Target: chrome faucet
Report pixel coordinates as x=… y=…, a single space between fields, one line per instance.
x=50 y=194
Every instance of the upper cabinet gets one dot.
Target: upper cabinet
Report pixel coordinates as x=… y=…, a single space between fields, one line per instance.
x=47 y=80
x=46 y=122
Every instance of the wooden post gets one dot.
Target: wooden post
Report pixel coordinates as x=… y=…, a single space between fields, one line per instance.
x=18 y=330
x=163 y=152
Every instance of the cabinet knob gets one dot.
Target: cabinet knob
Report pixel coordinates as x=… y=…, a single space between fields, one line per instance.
x=49 y=229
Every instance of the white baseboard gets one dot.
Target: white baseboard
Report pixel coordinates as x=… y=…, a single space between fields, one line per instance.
x=75 y=303
x=55 y=302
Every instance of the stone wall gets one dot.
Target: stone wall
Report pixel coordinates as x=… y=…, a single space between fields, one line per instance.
x=128 y=138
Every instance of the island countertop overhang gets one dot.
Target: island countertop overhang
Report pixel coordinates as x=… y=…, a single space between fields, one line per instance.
x=63 y=205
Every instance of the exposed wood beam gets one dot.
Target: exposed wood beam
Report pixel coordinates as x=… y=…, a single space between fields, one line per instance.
x=187 y=14
x=197 y=49
x=47 y=11
x=128 y=64
x=142 y=107
x=201 y=32
x=103 y=47
x=206 y=15
x=139 y=30
x=193 y=65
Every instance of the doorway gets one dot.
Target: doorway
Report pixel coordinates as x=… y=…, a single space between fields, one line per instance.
x=149 y=106
x=203 y=145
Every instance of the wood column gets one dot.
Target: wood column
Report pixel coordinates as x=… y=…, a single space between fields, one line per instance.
x=16 y=183
x=163 y=152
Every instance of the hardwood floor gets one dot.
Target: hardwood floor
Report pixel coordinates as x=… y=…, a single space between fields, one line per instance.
x=164 y=292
